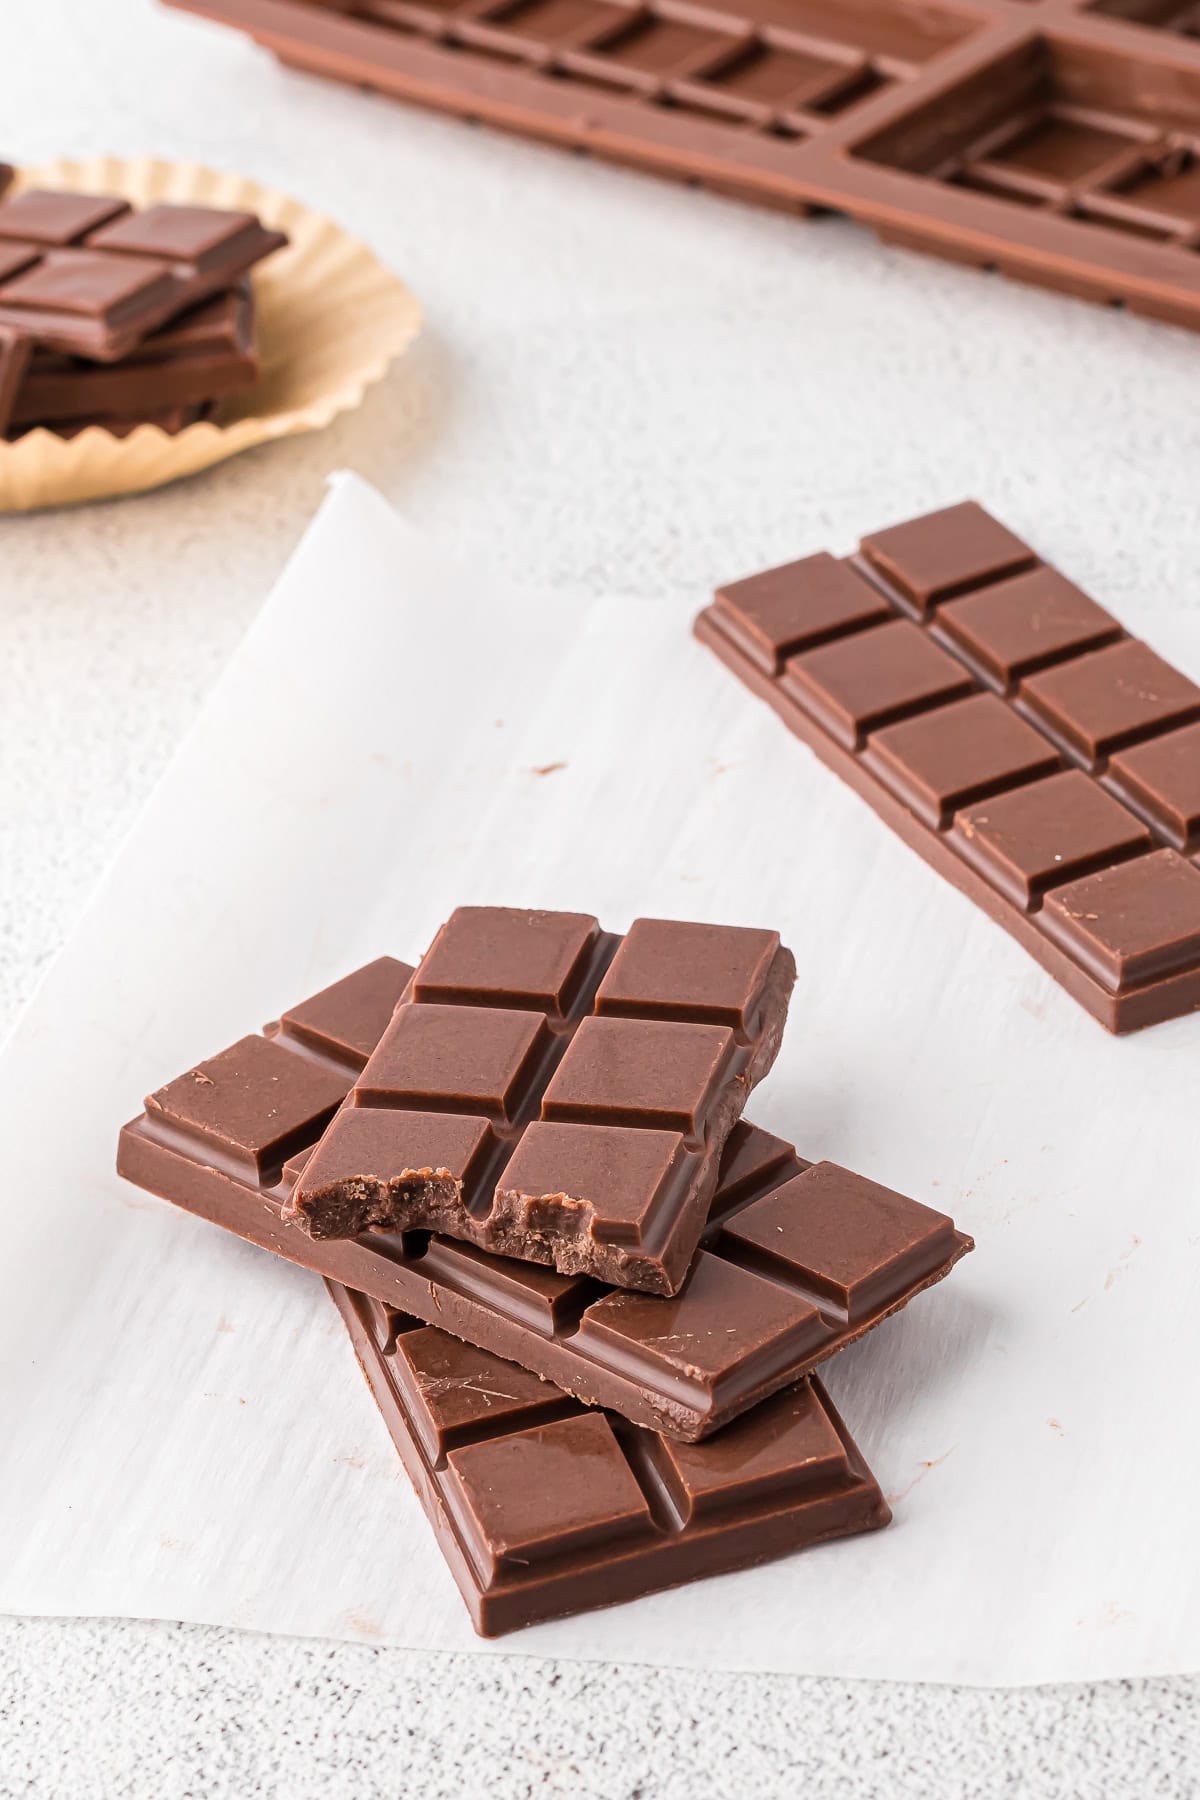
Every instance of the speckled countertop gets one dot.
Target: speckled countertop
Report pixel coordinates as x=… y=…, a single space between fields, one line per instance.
x=622 y=386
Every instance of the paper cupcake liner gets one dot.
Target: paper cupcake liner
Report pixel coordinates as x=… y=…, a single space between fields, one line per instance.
x=331 y=319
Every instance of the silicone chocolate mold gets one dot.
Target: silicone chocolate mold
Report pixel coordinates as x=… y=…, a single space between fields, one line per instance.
x=1053 y=140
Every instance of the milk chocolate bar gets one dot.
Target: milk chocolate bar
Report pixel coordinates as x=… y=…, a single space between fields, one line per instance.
x=92 y=276
x=797 y=1259
x=206 y=353
x=1053 y=140
x=1010 y=731
x=551 y=1091
x=542 y=1508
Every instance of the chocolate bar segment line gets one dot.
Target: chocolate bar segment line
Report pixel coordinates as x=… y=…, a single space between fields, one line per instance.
x=543 y=1508
x=1053 y=141
x=89 y=276
x=1073 y=751
x=798 y=1259
x=549 y=1091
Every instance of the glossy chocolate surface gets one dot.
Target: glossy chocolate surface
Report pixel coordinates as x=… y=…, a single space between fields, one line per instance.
x=542 y=1507
x=549 y=1091
x=797 y=1259
x=205 y=353
x=88 y=275
x=1010 y=731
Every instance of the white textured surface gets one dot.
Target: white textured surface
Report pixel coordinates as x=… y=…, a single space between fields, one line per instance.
x=948 y=1064
x=623 y=386
x=157 y=1712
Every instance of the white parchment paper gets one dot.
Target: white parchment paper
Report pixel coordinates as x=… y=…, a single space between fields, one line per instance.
x=185 y=1434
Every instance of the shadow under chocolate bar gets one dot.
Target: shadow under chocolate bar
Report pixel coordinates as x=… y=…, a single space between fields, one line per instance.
x=206 y=353
x=554 y=1092
x=542 y=1508
x=798 y=1259
x=1010 y=731
x=1055 y=142
x=91 y=276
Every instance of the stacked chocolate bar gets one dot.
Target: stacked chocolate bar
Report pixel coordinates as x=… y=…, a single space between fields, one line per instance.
x=118 y=317
x=587 y=1295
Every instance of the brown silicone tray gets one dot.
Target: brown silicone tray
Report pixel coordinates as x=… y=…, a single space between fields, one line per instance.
x=1054 y=140
x=1009 y=730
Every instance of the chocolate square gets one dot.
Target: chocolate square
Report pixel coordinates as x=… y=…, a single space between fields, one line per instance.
x=964 y=752
x=1130 y=924
x=640 y=1072
x=932 y=559
x=861 y=683
x=795 y=607
x=1025 y=624
x=455 y=1058
x=1099 y=703
x=255 y=1104
x=1046 y=834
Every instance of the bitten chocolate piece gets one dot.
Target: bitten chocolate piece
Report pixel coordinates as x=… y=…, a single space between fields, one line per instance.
x=1009 y=730
x=90 y=276
x=549 y=1091
x=797 y=1259
x=542 y=1508
x=1052 y=140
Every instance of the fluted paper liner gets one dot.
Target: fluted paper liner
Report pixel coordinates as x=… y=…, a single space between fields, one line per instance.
x=331 y=319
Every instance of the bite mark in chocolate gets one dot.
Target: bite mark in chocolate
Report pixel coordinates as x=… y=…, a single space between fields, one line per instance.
x=742 y=1327
x=546 y=1090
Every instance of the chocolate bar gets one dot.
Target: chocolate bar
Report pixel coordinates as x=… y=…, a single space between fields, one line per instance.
x=91 y=276
x=1010 y=731
x=206 y=353
x=797 y=1259
x=542 y=1508
x=550 y=1091
x=1055 y=141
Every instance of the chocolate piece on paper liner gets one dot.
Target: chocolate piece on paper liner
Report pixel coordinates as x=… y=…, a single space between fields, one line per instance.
x=1053 y=142
x=206 y=353
x=91 y=276
x=543 y=1508
x=15 y=353
x=553 y=1092
x=6 y=175
x=798 y=1259
x=1010 y=731
x=169 y=419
